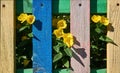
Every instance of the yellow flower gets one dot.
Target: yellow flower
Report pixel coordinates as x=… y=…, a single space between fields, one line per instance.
x=22 y=17
x=96 y=18
x=30 y=19
x=25 y=62
x=61 y=24
x=58 y=32
x=68 y=39
x=104 y=20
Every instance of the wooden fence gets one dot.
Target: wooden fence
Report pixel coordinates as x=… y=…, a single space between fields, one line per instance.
x=80 y=27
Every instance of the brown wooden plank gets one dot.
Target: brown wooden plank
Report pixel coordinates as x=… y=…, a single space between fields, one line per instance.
x=80 y=28
x=113 y=51
x=7 y=36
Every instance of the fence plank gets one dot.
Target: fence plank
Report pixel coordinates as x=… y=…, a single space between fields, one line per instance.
x=19 y=6
x=7 y=36
x=61 y=6
x=98 y=6
x=27 y=6
x=42 y=40
x=23 y=6
x=113 y=51
x=80 y=28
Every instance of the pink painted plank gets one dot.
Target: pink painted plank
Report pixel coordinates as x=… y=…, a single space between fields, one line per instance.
x=80 y=28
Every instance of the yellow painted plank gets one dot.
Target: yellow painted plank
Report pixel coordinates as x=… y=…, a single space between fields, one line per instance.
x=113 y=51
x=7 y=36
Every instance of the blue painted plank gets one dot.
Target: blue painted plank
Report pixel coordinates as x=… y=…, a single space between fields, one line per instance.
x=42 y=40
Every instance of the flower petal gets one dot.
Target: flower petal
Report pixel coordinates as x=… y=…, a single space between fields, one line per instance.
x=58 y=32
x=22 y=17
x=61 y=24
x=96 y=18
x=30 y=19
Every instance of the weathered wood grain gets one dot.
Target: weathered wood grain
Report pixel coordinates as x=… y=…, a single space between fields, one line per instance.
x=80 y=28
x=42 y=40
x=113 y=51
x=7 y=36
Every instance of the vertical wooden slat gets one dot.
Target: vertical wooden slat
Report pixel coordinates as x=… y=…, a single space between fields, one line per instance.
x=7 y=36
x=113 y=51
x=42 y=40
x=80 y=28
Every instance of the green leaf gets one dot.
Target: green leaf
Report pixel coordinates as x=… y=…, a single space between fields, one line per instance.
x=106 y=39
x=57 y=57
x=23 y=28
x=98 y=30
x=60 y=44
x=66 y=64
x=56 y=48
x=68 y=51
x=94 y=46
x=30 y=35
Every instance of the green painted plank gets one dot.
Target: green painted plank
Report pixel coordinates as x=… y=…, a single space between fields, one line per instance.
x=19 y=6
x=102 y=6
x=24 y=6
x=27 y=6
x=98 y=6
x=61 y=71
x=61 y=6
x=98 y=71
x=24 y=71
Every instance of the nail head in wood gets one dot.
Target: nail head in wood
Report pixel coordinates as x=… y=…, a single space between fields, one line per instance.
x=80 y=4
x=3 y=5
x=41 y=5
x=118 y=4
